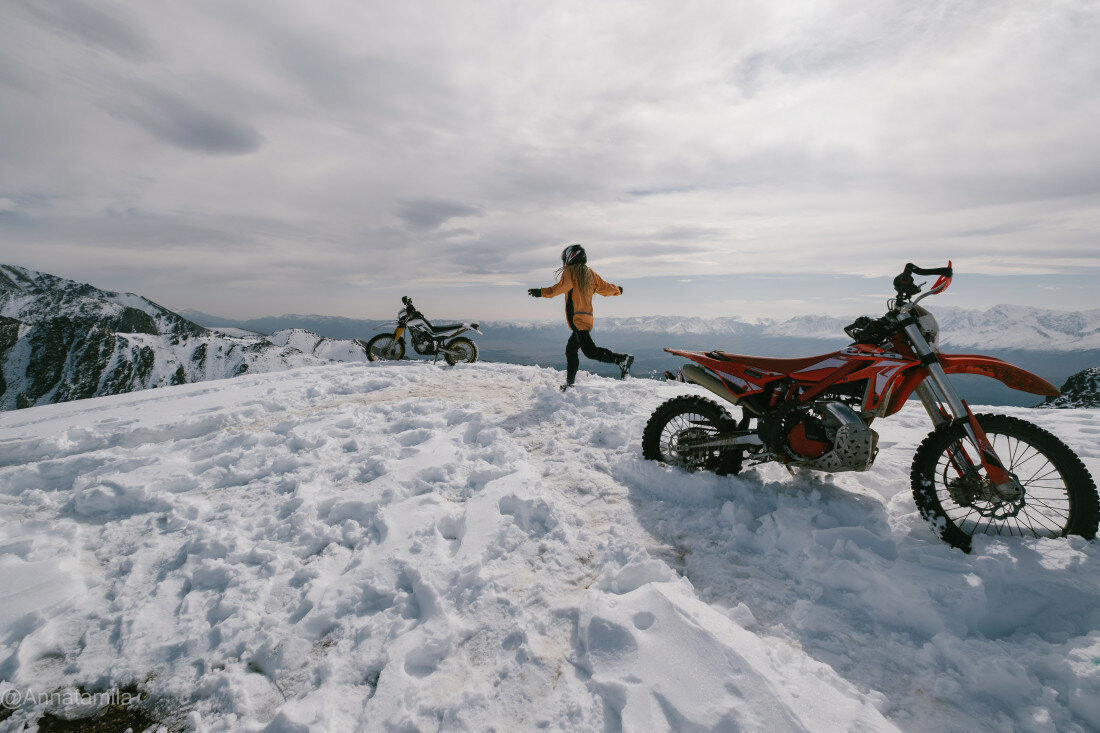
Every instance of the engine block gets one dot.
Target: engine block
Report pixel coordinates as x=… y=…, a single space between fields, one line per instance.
x=853 y=446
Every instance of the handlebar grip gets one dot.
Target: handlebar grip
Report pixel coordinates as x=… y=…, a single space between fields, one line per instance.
x=944 y=271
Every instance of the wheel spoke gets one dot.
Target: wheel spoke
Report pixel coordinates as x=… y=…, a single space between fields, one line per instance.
x=1029 y=453
x=1044 y=501
x=679 y=433
x=1043 y=521
x=1031 y=525
x=1053 y=470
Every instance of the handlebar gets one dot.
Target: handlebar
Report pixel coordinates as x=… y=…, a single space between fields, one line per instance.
x=944 y=271
x=905 y=286
x=410 y=309
x=867 y=330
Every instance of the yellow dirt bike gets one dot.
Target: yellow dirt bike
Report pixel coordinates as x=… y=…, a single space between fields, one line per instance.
x=427 y=339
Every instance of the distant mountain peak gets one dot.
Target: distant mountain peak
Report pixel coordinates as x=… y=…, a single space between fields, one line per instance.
x=62 y=340
x=33 y=297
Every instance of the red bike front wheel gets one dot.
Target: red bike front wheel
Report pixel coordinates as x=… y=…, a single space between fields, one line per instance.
x=1059 y=496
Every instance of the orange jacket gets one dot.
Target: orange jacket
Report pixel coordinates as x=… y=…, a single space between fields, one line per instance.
x=578 y=303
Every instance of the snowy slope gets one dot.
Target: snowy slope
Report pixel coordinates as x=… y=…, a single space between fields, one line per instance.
x=410 y=547
x=237 y=332
x=32 y=297
x=49 y=365
x=62 y=340
x=325 y=348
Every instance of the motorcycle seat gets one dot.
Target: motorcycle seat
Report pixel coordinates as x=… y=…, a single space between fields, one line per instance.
x=767 y=363
x=440 y=328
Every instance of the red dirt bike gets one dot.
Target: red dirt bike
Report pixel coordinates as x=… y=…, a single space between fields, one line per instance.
x=990 y=474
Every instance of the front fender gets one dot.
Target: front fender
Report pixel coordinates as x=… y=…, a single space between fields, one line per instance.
x=988 y=366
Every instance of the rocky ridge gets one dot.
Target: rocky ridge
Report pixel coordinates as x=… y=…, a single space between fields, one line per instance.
x=61 y=340
x=1080 y=390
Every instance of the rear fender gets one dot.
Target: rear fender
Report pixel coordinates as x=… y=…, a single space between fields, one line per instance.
x=988 y=366
x=733 y=383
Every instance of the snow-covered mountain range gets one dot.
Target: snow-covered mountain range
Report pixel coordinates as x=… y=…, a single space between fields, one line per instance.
x=1000 y=327
x=1052 y=344
x=61 y=340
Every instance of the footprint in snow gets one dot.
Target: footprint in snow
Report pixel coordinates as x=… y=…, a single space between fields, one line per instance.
x=411 y=438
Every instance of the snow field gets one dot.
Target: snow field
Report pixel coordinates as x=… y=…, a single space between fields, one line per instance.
x=413 y=547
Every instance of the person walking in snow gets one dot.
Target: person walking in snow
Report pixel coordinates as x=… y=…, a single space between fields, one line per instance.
x=580 y=283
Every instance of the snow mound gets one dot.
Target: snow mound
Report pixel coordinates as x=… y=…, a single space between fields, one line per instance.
x=325 y=348
x=412 y=547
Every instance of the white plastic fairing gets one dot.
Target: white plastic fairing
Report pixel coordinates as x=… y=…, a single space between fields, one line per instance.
x=928 y=325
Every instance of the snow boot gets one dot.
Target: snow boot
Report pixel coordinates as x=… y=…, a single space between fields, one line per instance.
x=567 y=386
x=624 y=363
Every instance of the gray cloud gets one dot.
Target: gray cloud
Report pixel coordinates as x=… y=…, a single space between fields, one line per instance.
x=186 y=125
x=432 y=213
x=126 y=231
x=89 y=25
x=12 y=75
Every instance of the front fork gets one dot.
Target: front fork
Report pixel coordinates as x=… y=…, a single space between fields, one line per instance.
x=396 y=337
x=935 y=393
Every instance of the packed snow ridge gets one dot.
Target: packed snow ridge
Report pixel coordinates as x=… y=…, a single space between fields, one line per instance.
x=412 y=547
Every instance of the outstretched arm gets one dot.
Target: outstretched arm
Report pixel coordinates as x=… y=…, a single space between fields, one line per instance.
x=605 y=288
x=561 y=286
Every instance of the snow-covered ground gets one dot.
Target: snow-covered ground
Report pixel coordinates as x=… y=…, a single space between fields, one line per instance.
x=413 y=547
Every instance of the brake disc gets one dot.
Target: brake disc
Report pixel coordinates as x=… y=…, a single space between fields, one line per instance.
x=978 y=494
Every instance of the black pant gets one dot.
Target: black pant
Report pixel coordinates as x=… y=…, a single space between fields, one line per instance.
x=583 y=340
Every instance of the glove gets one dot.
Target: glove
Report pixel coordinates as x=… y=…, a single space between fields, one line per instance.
x=620 y=290
x=534 y=292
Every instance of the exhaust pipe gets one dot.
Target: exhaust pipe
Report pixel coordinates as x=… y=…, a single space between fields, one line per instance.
x=697 y=375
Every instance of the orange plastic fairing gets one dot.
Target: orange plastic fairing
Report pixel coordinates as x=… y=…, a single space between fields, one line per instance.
x=1002 y=371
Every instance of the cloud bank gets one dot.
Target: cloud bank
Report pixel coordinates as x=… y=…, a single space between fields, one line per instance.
x=286 y=156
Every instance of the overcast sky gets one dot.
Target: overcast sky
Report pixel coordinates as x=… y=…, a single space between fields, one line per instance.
x=267 y=157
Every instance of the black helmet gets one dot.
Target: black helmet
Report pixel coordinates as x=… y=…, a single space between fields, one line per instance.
x=574 y=254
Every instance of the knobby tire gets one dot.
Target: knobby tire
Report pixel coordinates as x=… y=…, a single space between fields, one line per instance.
x=1060 y=496
x=682 y=413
